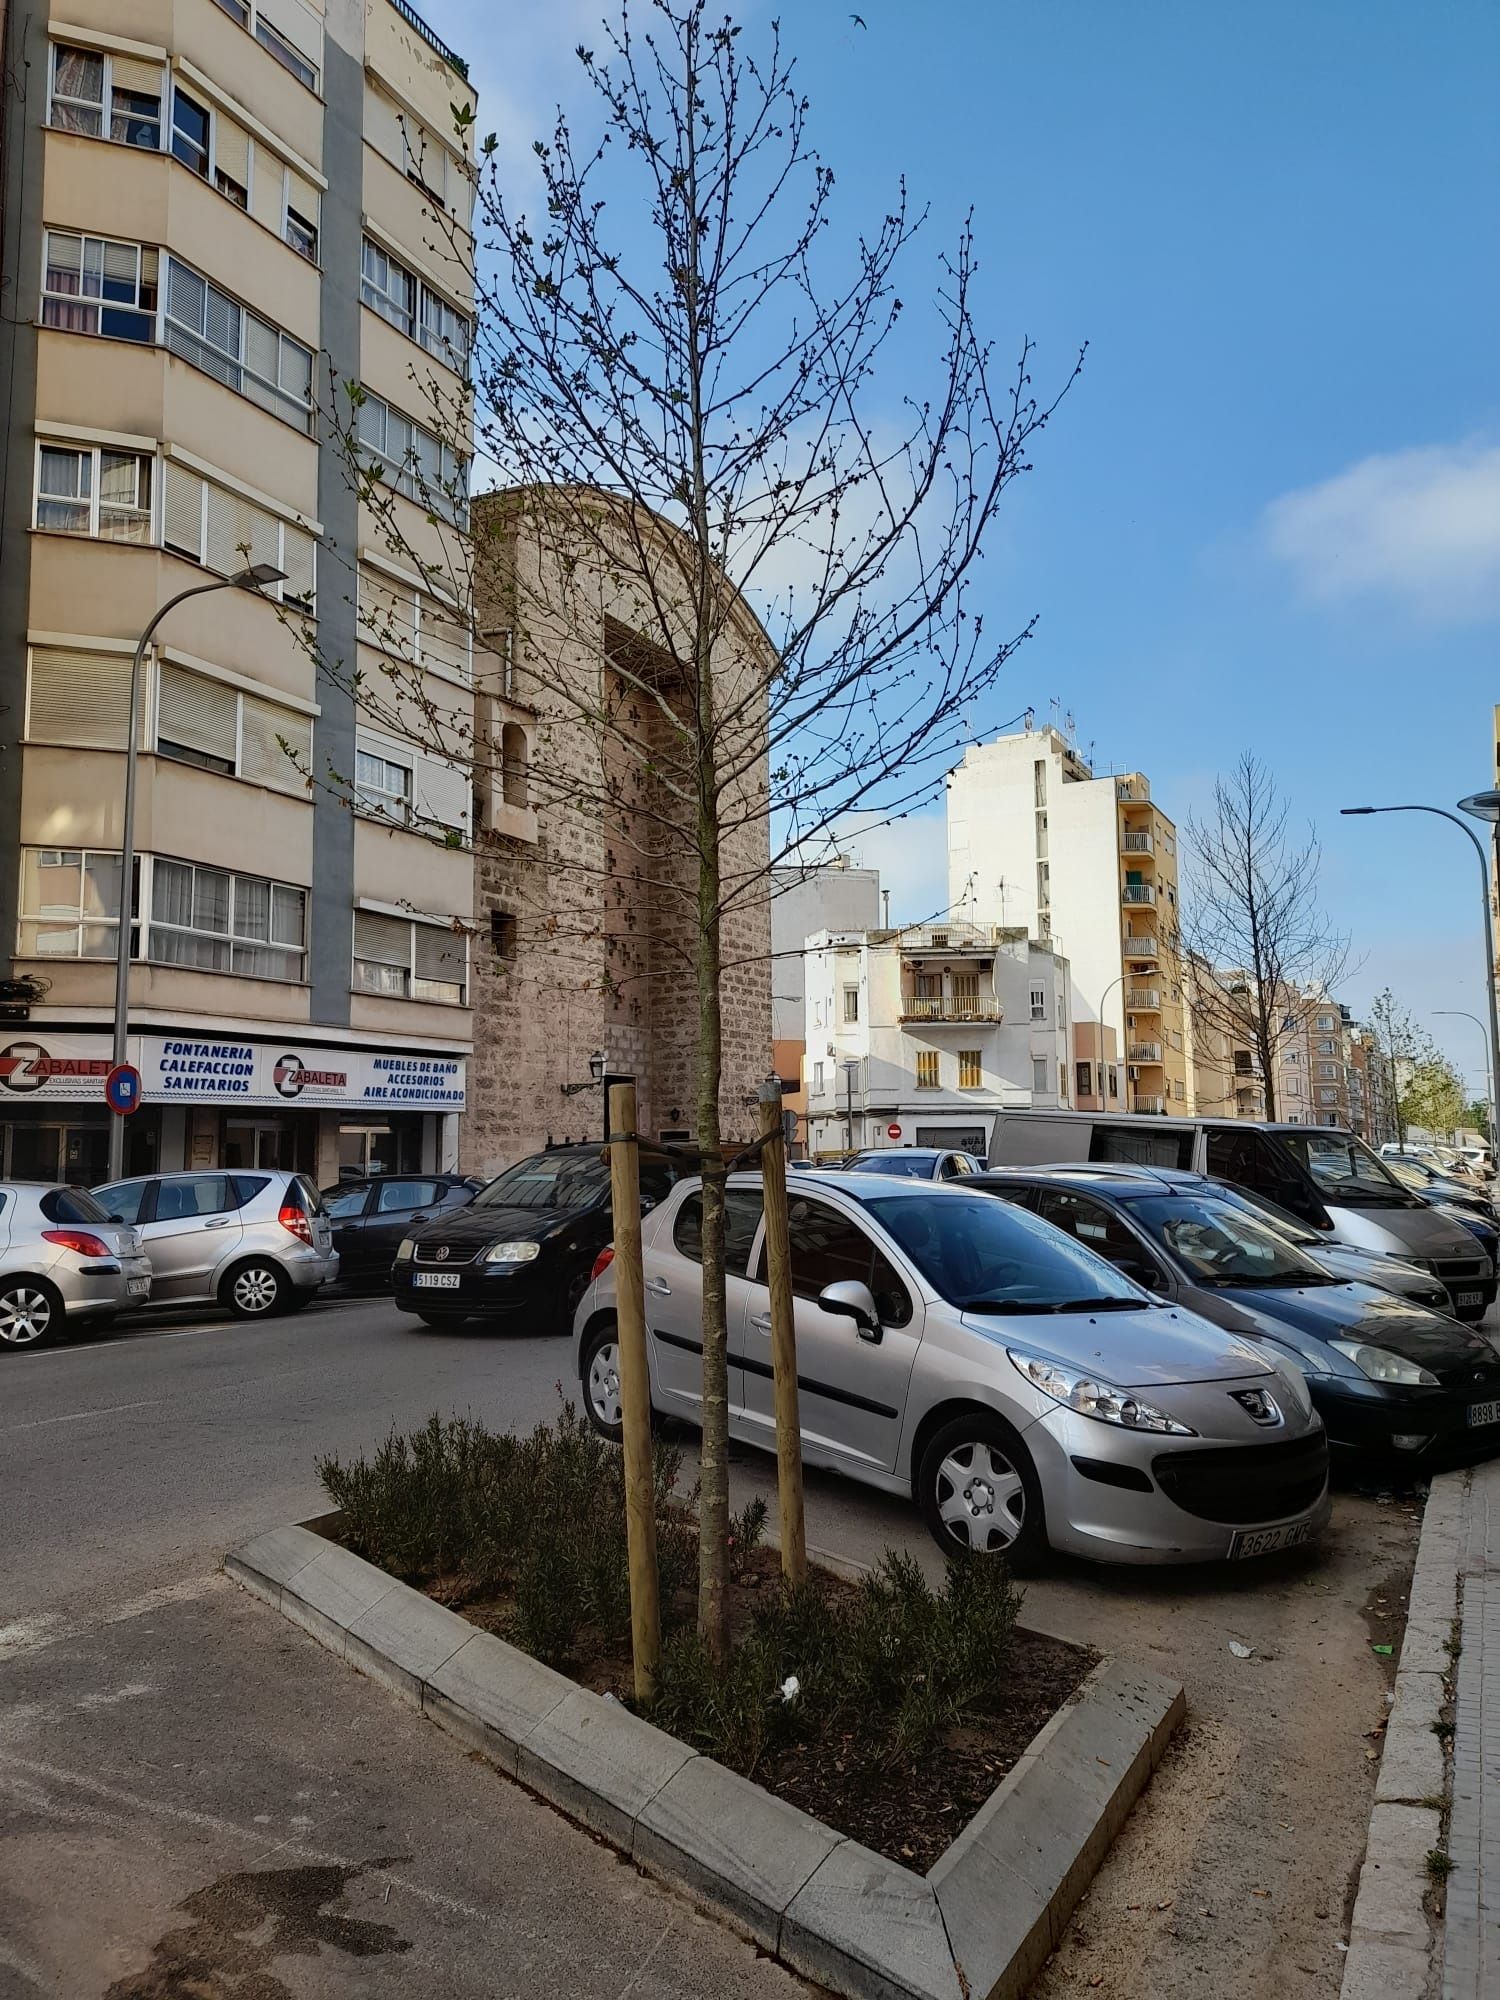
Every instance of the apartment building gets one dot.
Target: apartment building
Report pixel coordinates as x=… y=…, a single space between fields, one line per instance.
x=923 y=1036
x=1089 y=864
x=829 y=896
x=218 y=214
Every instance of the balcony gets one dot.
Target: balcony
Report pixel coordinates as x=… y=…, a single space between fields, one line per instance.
x=1139 y=947
x=951 y=1007
x=1138 y=843
x=1143 y=999
x=1138 y=893
x=1155 y=1106
x=1143 y=1052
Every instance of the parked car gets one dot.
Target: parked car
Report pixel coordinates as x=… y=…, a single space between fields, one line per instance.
x=521 y=1251
x=1344 y=1261
x=917 y=1163
x=1383 y=1372
x=952 y=1348
x=1429 y=1180
x=371 y=1215
x=64 y=1262
x=1326 y=1177
x=257 y=1243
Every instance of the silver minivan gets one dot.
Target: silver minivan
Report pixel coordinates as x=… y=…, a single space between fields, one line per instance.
x=257 y=1241
x=1326 y=1177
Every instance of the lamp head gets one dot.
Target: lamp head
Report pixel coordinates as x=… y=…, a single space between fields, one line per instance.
x=259 y=576
x=1482 y=805
x=596 y=1066
x=1348 y=812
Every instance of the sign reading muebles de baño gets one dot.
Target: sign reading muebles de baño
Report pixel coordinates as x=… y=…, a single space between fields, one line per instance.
x=192 y=1069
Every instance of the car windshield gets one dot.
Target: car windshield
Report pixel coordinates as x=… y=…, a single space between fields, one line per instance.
x=1280 y=1219
x=1219 y=1244
x=911 y=1166
x=989 y=1256
x=558 y=1181
x=1345 y=1168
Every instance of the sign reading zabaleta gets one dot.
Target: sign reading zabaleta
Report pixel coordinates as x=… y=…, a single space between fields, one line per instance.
x=213 y=1070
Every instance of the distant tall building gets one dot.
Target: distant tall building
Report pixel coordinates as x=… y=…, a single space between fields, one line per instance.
x=1089 y=866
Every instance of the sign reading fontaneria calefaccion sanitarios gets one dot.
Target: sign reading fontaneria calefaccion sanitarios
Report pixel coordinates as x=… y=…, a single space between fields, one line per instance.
x=193 y=1069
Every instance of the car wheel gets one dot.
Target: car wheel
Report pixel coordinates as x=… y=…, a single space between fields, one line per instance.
x=31 y=1312
x=256 y=1289
x=599 y=1372
x=979 y=1492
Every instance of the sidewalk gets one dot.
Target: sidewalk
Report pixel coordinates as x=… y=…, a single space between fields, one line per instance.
x=1471 y=1933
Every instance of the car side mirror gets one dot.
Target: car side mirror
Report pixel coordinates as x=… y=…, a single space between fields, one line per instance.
x=851 y=1299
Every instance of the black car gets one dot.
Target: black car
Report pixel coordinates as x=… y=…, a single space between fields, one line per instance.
x=523 y=1249
x=370 y=1216
x=1384 y=1372
x=916 y=1163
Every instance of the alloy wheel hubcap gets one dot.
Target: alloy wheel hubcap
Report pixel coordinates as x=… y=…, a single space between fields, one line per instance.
x=24 y=1316
x=604 y=1384
x=255 y=1290
x=981 y=1498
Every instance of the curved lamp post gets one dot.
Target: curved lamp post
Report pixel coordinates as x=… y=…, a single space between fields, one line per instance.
x=1479 y=805
x=257 y=577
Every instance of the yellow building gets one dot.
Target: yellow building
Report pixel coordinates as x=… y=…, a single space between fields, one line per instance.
x=216 y=214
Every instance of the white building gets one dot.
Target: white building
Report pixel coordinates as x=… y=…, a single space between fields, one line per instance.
x=920 y=1037
x=833 y=896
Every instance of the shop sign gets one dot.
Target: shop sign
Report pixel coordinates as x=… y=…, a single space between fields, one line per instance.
x=202 y=1070
x=72 y=1067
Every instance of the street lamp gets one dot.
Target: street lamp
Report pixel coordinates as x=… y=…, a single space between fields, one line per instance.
x=1100 y=1064
x=1481 y=805
x=256 y=577
x=597 y=1064
x=1459 y=1014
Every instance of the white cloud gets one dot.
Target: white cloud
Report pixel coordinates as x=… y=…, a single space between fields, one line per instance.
x=1420 y=526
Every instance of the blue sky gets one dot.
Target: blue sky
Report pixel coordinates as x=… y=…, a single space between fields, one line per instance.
x=1269 y=514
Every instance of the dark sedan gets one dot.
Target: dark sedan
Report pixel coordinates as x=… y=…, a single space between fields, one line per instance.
x=1384 y=1373
x=371 y=1216
x=521 y=1252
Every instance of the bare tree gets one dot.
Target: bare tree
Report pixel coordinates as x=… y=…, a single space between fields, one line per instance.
x=697 y=449
x=1251 y=926
x=1400 y=1044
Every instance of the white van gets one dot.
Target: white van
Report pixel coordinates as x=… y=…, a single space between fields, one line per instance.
x=1327 y=1177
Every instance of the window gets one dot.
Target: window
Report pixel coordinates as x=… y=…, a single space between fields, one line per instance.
x=393 y=1196
x=970 y=1069
x=1328 y=1048
x=1084 y=1080
x=409 y=961
x=224 y=532
x=388 y=288
x=851 y=1005
x=827 y=1247
x=290 y=57
x=742 y=1211
x=1038 y=1003
x=515 y=760
x=207 y=722
x=124 y=1201
x=106 y=96
x=1039 y=1075
x=302 y=234
x=80 y=698
x=217 y=921
x=1114 y=1079
x=1327 y=1096
x=237 y=347
x=191 y=127
x=1292 y=1056
x=90 y=490
x=1327 y=1021
x=301 y=60
x=416 y=627
x=1328 y=1069
x=504 y=933
x=818 y=1078
x=1092 y=1224
x=383 y=786
x=927 y=1069
x=91 y=284
x=415 y=462
x=70 y=903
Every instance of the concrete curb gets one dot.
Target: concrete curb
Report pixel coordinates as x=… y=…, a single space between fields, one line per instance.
x=976 y=1928
x=1391 y=1942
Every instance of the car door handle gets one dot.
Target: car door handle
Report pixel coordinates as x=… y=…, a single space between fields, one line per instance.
x=222 y=1223
x=659 y=1288
x=761 y=1322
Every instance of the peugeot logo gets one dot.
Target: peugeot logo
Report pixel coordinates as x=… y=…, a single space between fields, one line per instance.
x=1261 y=1408
x=440 y=1255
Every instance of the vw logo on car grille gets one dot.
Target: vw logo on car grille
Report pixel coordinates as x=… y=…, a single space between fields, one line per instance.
x=440 y=1254
x=1261 y=1408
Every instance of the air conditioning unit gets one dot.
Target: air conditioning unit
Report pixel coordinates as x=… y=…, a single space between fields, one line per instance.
x=1133 y=1073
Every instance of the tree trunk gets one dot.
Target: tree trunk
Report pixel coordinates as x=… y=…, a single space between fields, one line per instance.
x=713 y=1497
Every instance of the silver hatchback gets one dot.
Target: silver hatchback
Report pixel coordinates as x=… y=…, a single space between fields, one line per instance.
x=956 y=1349
x=255 y=1240
x=63 y=1262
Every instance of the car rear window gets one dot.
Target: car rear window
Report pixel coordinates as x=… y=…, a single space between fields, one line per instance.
x=248 y=1186
x=312 y=1201
x=72 y=1205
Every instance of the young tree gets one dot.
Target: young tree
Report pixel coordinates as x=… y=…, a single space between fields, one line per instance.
x=1251 y=928
x=1433 y=1097
x=677 y=375
x=1400 y=1045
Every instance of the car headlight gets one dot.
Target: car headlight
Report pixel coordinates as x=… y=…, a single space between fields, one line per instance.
x=1383 y=1366
x=406 y=1249
x=1089 y=1398
x=512 y=1253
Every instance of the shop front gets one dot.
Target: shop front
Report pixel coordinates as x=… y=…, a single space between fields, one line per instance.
x=322 y=1109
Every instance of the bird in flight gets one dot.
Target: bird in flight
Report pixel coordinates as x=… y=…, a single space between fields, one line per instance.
x=859 y=21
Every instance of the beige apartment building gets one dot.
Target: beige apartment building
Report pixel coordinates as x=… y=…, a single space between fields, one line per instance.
x=1088 y=866
x=216 y=213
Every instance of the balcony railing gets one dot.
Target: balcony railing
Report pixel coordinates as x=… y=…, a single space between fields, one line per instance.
x=1143 y=999
x=1144 y=1052
x=1138 y=892
x=1138 y=843
x=947 y=1007
x=1155 y=1105
x=409 y=13
x=1139 y=947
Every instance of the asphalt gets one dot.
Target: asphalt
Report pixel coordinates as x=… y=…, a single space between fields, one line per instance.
x=216 y=1792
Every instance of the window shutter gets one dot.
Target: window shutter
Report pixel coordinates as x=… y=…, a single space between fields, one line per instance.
x=132 y=74
x=443 y=795
x=232 y=150
x=183 y=518
x=384 y=939
x=298 y=24
x=302 y=196
x=262 y=758
x=298 y=559
x=197 y=713
x=80 y=698
x=387 y=616
x=239 y=533
x=441 y=953
x=445 y=641
x=265 y=189
x=383 y=126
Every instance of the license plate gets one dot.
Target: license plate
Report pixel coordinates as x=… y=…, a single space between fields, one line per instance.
x=1483 y=1413
x=1468 y=1298
x=137 y=1287
x=1262 y=1541
x=437 y=1281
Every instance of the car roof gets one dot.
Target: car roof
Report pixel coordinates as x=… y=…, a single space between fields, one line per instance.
x=903 y=1152
x=1126 y=1179
x=847 y=1180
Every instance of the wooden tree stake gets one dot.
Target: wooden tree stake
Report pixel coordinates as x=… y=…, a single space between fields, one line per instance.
x=783 y=1340
x=635 y=1391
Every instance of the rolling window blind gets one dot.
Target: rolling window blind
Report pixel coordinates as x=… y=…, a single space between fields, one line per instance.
x=79 y=698
x=197 y=713
x=262 y=758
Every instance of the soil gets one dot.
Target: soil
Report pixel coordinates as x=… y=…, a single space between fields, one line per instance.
x=910 y=1811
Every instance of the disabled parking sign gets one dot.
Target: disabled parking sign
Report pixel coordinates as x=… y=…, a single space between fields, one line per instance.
x=122 y=1089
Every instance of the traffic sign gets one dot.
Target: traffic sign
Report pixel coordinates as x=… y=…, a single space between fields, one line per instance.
x=893 y=1131
x=122 y=1089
